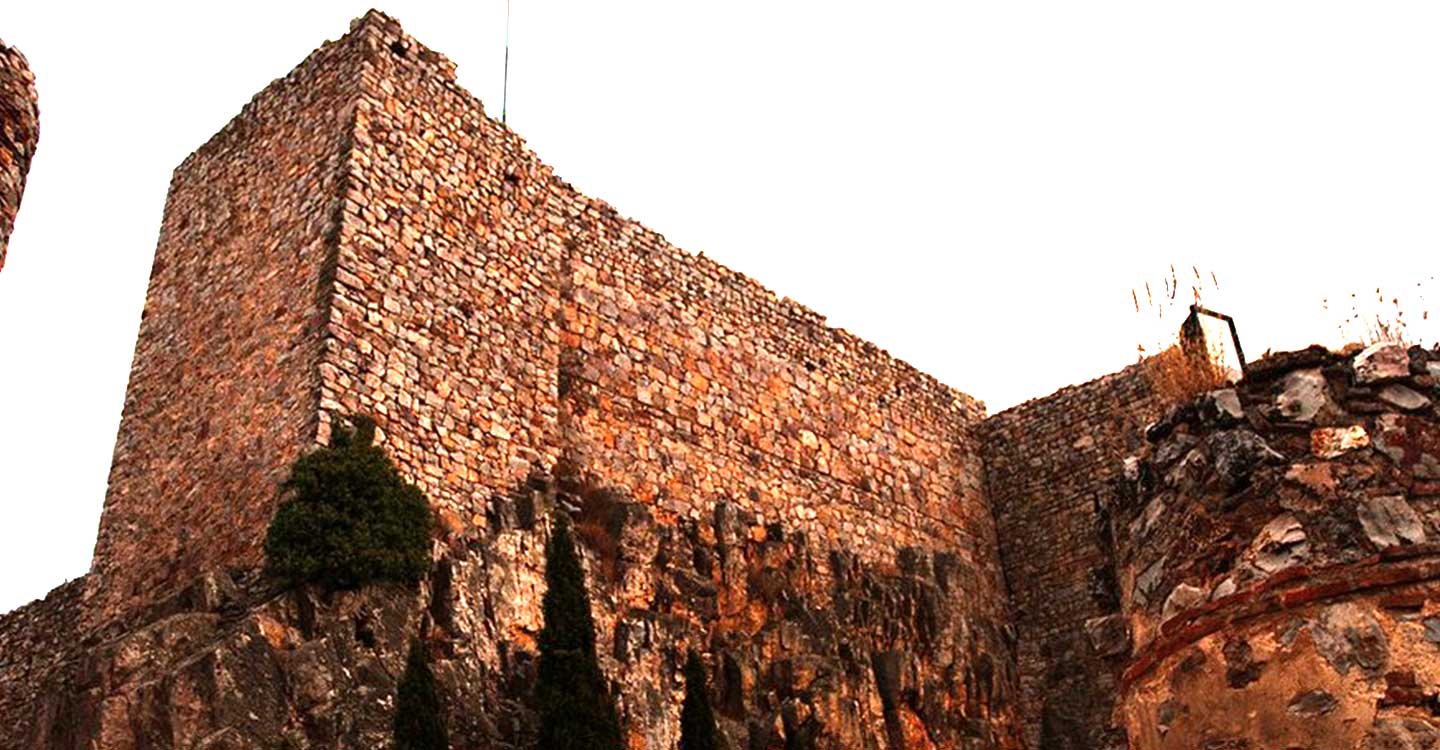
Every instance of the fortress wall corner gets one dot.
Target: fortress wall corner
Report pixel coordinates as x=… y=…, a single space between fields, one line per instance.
x=223 y=389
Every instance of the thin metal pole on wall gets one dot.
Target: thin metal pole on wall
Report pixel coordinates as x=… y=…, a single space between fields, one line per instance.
x=505 y=86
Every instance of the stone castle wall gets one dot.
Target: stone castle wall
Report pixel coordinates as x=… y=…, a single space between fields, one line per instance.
x=587 y=338
x=416 y=262
x=1051 y=465
x=19 y=133
x=224 y=387
x=864 y=560
x=1276 y=552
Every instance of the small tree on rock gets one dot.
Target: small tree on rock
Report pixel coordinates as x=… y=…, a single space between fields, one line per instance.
x=350 y=518
x=419 y=714
x=576 y=710
x=697 y=719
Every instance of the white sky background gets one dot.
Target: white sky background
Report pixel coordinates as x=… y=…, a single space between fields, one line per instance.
x=976 y=187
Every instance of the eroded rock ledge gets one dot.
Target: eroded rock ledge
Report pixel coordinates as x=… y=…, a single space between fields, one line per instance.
x=807 y=647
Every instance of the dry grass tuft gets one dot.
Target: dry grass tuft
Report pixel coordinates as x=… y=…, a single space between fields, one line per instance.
x=1178 y=375
x=1381 y=317
x=1181 y=367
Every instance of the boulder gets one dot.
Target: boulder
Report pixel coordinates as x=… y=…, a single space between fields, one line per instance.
x=1108 y=635
x=1412 y=443
x=1237 y=454
x=1279 y=545
x=1183 y=597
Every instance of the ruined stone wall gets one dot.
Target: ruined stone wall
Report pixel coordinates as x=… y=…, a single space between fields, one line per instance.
x=1050 y=463
x=224 y=385
x=1277 y=560
x=19 y=133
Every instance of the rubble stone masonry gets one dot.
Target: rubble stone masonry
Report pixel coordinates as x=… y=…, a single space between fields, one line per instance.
x=363 y=239
x=863 y=559
x=225 y=384
x=19 y=133
x=1276 y=552
x=1051 y=464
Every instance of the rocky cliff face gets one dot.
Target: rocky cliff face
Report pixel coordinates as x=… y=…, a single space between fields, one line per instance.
x=19 y=132
x=806 y=647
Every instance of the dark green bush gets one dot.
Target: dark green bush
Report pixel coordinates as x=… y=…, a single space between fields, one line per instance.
x=576 y=709
x=697 y=719
x=419 y=715
x=349 y=518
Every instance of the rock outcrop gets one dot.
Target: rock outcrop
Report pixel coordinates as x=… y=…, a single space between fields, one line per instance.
x=19 y=132
x=806 y=647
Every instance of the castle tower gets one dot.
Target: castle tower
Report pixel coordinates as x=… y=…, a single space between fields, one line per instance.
x=19 y=132
x=362 y=238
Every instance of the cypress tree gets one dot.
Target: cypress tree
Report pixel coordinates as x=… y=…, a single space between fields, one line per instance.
x=419 y=715
x=576 y=711
x=350 y=518
x=697 y=719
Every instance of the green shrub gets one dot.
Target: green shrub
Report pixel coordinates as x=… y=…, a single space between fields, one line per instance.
x=419 y=715
x=697 y=719
x=576 y=710
x=349 y=519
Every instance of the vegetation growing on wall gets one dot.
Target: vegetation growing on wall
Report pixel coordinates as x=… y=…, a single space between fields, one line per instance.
x=697 y=718
x=1180 y=361
x=575 y=707
x=419 y=714
x=349 y=518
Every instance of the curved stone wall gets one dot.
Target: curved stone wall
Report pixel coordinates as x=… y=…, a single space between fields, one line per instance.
x=1277 y=560
x=19 y=131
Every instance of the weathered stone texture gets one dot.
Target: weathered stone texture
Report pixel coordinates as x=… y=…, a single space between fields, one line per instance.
x=224 y=386
x=806 y=647
x=19 y=133
x=35 y=640
x=1050 y=464
x=825 y=524
x=1306 y=554
x=363 y=239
